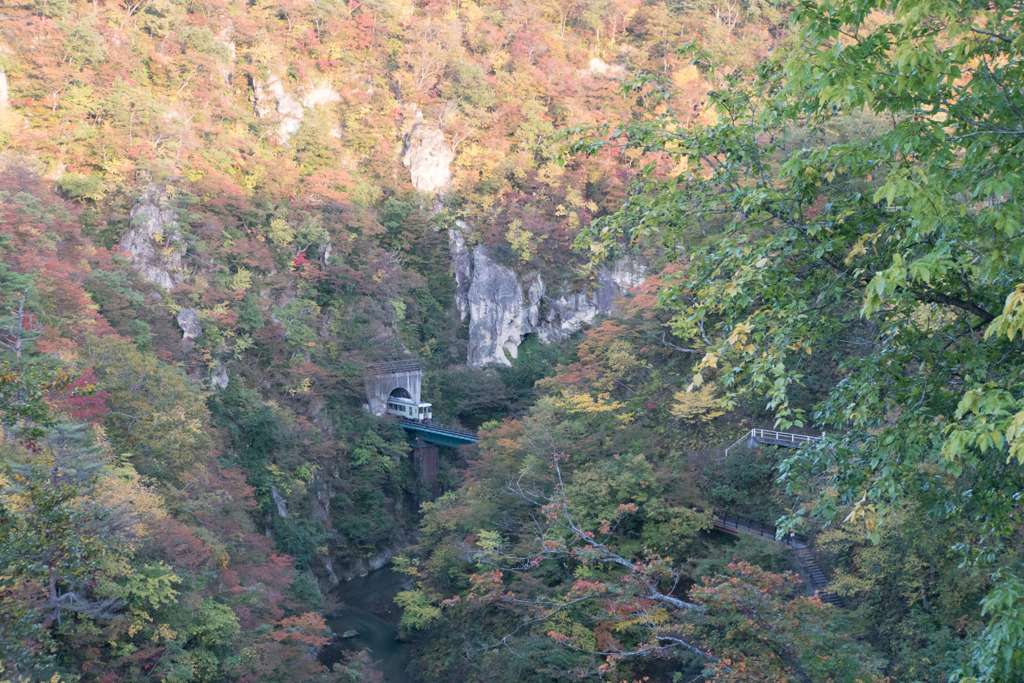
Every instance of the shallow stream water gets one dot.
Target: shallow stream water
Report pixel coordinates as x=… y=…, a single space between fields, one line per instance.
x=369 y=609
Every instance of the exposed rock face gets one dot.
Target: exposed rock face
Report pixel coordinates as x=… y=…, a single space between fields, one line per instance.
x=219 y=377
x=329 y=566
x=282 y=509
x=462 y=266
x=153 y=241
x=429 y=157
x=534 y=295
x=4 y=91
x=500 y=316
x=272 y=100
x=188 y=321
x=495 y=312
x=323 y=493
x=364 y=565
x=628 y=272
x=598 y=66
x=322 y=93
x=568 y=313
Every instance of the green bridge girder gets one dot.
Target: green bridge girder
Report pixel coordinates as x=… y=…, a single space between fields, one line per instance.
x=439 y=434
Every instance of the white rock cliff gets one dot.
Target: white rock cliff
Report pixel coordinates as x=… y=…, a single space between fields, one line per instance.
x=495 y=312
x=271 y=101
x=4 y=90
x=489 y=294
x=429 y=157
x=462 y=267
x=500 y=315
x=153 y=242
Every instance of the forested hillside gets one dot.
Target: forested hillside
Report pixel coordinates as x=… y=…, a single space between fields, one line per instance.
x=217 y=218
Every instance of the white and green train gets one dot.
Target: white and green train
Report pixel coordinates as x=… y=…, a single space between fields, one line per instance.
x=409 y=409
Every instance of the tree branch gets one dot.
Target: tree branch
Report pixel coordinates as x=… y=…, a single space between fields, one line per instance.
x=931 y=296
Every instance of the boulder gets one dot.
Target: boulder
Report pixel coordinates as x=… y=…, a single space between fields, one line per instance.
x=219 y=377
x=188 y=321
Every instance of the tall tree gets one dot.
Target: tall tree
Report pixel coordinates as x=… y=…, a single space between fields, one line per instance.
x=897 y=253
x=156 y=419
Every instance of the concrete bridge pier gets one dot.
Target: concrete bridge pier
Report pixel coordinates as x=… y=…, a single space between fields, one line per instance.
x=427 y=461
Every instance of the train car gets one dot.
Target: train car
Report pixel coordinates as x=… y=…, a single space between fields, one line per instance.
x=409 y=409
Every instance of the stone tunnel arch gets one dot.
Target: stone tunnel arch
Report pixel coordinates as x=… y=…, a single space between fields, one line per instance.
x=402 y=378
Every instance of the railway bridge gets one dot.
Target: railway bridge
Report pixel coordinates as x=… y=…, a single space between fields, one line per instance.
x=404 y=379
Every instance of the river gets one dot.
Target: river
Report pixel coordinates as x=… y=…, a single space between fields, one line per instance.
x=369 y=609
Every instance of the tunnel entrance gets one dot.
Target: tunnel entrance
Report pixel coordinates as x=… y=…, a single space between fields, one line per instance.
x=398 y=380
